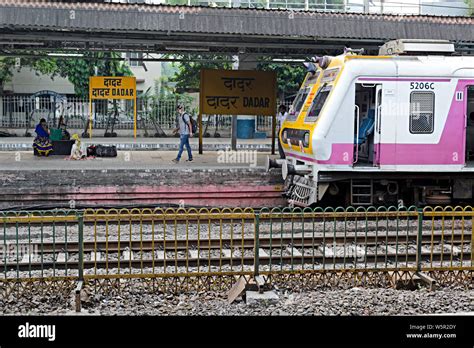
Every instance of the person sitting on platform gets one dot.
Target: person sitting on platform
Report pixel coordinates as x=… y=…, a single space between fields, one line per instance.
x=62 y=127
x=78 y=150
x=42 y=145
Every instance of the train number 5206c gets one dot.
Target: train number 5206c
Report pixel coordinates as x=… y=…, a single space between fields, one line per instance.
x=421 y=85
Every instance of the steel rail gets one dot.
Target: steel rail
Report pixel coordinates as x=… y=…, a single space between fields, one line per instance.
x=295 y=240
x=238 y=261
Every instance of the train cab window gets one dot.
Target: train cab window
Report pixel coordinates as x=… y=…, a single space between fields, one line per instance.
x=318 y=103
x=422 y=112
x=298 y=103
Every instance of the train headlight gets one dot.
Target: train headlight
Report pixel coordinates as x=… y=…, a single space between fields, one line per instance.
x=284 y=135
x=306 y=139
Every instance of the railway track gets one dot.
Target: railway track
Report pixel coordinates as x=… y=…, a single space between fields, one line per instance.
x=227 y=239
x=283 y=250
x=238 y=261
x=297 y=240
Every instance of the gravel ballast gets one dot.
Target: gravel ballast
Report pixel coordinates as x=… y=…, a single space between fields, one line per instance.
x=354 y=301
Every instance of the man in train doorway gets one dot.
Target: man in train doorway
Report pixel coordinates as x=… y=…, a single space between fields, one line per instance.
x=185 y=132
x=281 y=116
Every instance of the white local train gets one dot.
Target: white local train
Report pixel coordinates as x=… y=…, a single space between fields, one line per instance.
x=369 y=130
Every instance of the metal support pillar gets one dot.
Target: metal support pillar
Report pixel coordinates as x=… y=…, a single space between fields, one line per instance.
x=245 y=124
x=235 y=66
x=234 y=133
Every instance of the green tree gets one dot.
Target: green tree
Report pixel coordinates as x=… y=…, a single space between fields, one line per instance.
x=289 y=77
x=187 y=78
x=44 y=66
x=176 y=2
x=6 y=71
x=470 y=4
x=78 y=71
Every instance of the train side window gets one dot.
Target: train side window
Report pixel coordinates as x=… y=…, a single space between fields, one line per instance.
x=422 y=112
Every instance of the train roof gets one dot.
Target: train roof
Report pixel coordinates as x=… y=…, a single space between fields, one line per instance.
x=429 y=65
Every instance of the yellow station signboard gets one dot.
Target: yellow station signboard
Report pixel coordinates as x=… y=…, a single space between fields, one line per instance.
x=238 y=92
x=112 y=87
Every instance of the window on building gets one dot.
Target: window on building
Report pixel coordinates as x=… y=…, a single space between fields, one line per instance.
x=135 y=58
x=422 y=112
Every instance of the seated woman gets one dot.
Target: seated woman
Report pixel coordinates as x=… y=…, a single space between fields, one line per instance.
x=62 y=126
x=42 y=145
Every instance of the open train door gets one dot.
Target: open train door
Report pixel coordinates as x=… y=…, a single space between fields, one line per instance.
x=469 y=122
x=368 y=101
x=378 y=125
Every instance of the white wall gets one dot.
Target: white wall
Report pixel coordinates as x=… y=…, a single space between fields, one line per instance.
x=146 y=79
x=26 y=81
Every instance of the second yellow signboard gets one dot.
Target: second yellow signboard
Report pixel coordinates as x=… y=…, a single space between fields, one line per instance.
x=238 y=92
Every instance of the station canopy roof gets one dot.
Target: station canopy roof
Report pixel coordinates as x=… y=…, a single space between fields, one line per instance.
x=53 y=25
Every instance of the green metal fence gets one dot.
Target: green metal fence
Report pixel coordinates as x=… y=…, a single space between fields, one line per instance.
x=159 y=244
x=332 y=239
x=39 y=245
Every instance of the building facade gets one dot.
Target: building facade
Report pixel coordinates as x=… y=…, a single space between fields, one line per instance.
x=26 y=81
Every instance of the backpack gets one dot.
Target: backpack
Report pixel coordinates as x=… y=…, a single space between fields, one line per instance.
x=194 y=125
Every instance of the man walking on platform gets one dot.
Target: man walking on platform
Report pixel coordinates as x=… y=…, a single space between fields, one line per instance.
x=185 y=132
x=281 y=117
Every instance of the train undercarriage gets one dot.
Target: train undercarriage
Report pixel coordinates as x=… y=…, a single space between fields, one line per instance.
x=357 y=188
x=360 y=189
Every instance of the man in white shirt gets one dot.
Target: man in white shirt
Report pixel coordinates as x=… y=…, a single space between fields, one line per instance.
x=281 y=116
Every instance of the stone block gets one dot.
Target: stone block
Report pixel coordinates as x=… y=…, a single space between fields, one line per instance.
x=267 y=297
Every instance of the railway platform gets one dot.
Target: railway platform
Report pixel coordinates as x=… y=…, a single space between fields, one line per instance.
x=218 y=177
x=152 y=144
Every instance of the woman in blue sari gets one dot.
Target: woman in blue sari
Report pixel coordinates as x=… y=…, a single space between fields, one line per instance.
x=42 y=144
